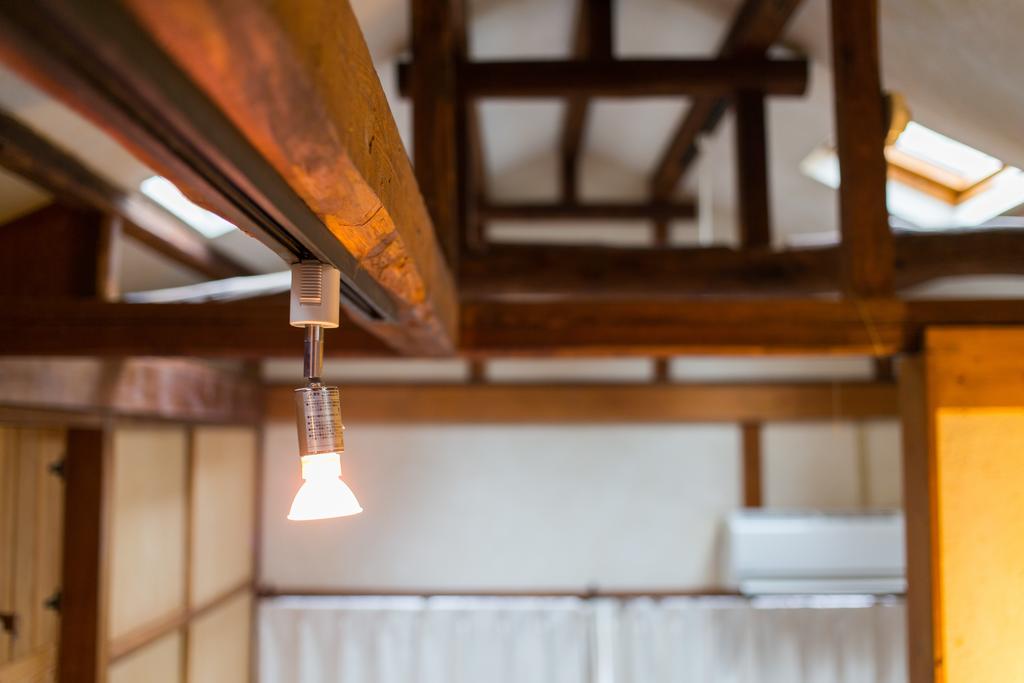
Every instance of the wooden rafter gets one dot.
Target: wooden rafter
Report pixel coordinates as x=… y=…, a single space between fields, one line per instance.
x=861 y=127
x=30 y=155
x=593 y=39
x=600 y=403
x=758 y=24
x=272 y=114
x=626 y=78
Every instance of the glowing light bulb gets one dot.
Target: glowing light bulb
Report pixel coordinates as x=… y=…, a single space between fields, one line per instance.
x=323 y=494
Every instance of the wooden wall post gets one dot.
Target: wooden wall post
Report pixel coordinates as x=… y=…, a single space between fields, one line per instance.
x=752 y=170
x=83 y=597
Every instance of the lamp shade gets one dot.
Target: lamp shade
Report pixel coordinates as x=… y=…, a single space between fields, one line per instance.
x=323 y=494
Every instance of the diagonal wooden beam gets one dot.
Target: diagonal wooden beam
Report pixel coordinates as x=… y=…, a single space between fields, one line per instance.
x=757 y=25
x=269 y=112
x=861 y=127
x=28 y=154
x=593 y=39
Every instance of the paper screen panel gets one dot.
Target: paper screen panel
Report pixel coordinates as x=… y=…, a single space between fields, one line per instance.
x=980 y=493
x=224 y=461
x=147 y=526
x=219 y=643
x=158 y=662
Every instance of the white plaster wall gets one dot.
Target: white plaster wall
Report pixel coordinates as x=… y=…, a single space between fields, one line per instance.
x=555 y=507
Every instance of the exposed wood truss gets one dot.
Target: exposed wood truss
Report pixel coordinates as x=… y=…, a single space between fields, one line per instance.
x=600 y=403
x=758 y=24
x=206 y=93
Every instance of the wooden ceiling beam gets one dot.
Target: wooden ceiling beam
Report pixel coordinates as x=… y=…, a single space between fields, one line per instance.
x=593 y=39
x=757 y=25
x=626 y=78
x=861 y=128
x=31 y=156
x=269 y=113
x=514 y=271
x=588 y=211
x=151 y=388
x=603 y=403
x=637 y=327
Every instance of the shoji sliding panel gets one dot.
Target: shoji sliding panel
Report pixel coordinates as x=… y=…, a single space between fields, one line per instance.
x=223 y=490
x=31 y=517
x=148 y=508
x=181 y=521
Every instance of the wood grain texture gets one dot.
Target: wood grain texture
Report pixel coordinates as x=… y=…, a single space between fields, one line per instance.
x=339 y=151
x=161 y=388
x=85 y=565
x=861 y=127
x=600 y=403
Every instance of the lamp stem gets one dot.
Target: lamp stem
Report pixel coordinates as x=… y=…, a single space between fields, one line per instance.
x=313 y=355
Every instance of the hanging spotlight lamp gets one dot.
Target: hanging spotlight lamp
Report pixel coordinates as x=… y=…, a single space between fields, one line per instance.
x=315 y=301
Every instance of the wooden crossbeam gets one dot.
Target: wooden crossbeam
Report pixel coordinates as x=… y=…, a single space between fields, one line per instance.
x=593 y=39
x=758 y=24
x=153 y=388
x=271 y=114
x=588 y=211
x=861 y=127
x=626 y=78
x=509 y=271
x=629 y=327
x=602 y=403
x=28 y=154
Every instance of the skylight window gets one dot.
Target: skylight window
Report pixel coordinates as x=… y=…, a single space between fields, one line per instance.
x=166 y=194
x=934 y=181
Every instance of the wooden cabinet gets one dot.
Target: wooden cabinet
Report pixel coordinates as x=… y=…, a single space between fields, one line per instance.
x=31 y=521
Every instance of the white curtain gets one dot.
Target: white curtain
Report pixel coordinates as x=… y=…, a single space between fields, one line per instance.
x=566 y=640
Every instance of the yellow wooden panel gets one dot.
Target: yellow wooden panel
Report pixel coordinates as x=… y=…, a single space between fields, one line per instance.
x=38 y=667
x=223 y=471
x=159 y=662
x=47 y=449
x=8 y=485
x=219 y=643
x=980 y=550
x=147 y=526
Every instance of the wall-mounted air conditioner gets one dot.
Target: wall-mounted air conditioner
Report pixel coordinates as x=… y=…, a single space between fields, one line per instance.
x=774 y=552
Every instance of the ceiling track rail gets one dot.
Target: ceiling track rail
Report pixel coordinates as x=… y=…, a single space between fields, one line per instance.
x=94 y=57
